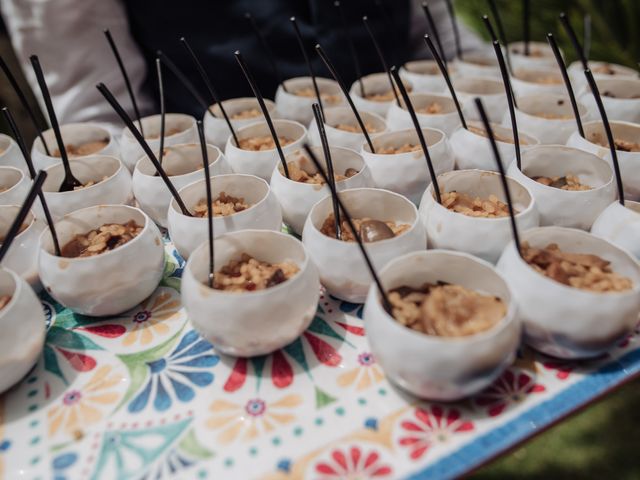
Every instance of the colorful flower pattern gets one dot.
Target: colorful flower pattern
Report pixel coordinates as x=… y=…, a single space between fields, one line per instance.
x=352 y=463
x=511 y=388
x=367 y=373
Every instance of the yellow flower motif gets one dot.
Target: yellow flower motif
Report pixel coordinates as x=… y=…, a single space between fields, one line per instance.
x=362 y=376
x=80 y=408
x=149 y=318
x=252 y=419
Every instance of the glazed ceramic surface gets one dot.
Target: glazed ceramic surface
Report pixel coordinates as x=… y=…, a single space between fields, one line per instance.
x=620 y=225
x=299 y=108
x=424 y=76
x=10 y=155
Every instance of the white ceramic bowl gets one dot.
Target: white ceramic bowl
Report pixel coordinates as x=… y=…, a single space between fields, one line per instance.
x=298 y=108
x=72 y=134
x=22 y=256
x=251 y=323
x=23 y=323
x=424 y=76
x=109 y=283
x=579 y=81
x=342 y=268
x=130 y=149
x=10 y=154
x=399 y=118
x=216 y=129
x=624 y=107
x=481 y=63
x=540 y=56
x=482 y=237
x=474 y=151
x=408 y=173
x=489 y=90
x=297 y=198
x=568 y=322
x=113 y=190
x=187 y=233
x=441 y=368
x=341 y=138
x=620 y=225
x=373 y=83
x=629 y=161
x=14 y=185
x=527 y=81
x=261 y=163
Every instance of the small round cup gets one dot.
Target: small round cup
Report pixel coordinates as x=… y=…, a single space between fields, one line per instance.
x=489 y=90
x=343 y=270
x=407 y=173
x=424 y=76
x=567 y=322
x=482 y=237
x=251 y=323
x=548 y=117
x=540 y=56
x=216 y=129
x=600 y=70
x=297 y=198
x=22 y=257
x=473 y=151
x=629 y=161
x=374 y=83
x=298 y=108
x=398 y=118
x=620 y=225
x=566 y=208
x=184 y=127
x=183 y=165
x=264 y=213
x=261 y=163
x=10 y=154
x=14 y=185
x=72 y=134
x=23 y=323
x=623 y=106
x=480 y=63
x=441 y=368
x=341 y=138
x=113 y=185
x=109 y=283
x=530 y=81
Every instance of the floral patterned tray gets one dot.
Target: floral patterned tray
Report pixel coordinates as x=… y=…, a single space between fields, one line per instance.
x=143 y=396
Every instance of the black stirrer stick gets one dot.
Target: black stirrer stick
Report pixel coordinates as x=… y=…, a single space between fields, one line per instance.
x=567 y=81
x=125 y=75
x=14 y=230
x=69 y=182
x=263 y=107
x=454 y=24
x=162 y=109
x=503 y=176
x=334 y=193
x=376 y=45
x=212 y=91
x=526 y=18
x=23 y=101
x=267 y=50
x=445 y=74
x=106 y=93
x=352 y=48
x=492 y=33
x=503 y=36
x=511 y=102
x=327 y=157
x=607 y=129
x=434 y=31
x=564 y=19
x=32 y=173
x=416 y=125
x=207 y=184
x=343 y=87
x=312 y=74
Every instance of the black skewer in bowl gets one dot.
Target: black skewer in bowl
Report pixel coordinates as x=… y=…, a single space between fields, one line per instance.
x=207 y=184
x=106 y=93
x=501 y=32
x=343 y=87
x=434 y=31
x=567 y=81
x=125 y=76
x=492 y=33
x=23 y=101
x=376 y=45
x=32 y=173
x=14 y=230
x=564 y=19
x=454 y=25
x=609 y=133
x=327 y=157
x=271 y=58
x=163 y=111
x=447 y=78
x=503 y=176
x=312 y=74
x=69 y=182
x=351 y=45
x=263 y=107
x=356 y=234
x=526 y=24
x=212 y=91
x=419 y=132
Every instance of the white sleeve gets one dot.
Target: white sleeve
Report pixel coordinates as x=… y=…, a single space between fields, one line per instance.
x=67 y=36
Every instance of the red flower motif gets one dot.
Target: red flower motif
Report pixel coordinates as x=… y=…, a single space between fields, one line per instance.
x=352 y=464
x=109 y=330
x=563 y=369
x=430 y=426
x=510 y=388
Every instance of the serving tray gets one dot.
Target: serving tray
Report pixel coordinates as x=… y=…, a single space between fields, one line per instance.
x=143 y=396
